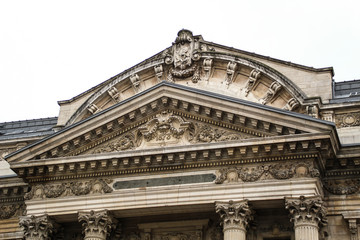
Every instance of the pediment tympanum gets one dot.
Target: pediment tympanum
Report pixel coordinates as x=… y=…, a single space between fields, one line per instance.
x=191 y=61
x=168 y=129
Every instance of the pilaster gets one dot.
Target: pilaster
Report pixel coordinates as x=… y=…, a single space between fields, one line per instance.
x=38 y=227
x=308 y=214
x=353 y=229
x=235 y=216
x=97 y=225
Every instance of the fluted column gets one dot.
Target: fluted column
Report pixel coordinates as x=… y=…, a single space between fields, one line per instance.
x=308 y=214
x=97 y=225
x=37 y=227
x=235 y=216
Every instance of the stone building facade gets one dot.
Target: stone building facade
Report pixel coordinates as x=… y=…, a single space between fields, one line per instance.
x=200 y=141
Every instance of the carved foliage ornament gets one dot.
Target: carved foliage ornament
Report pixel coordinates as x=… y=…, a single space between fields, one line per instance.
x=347 y=119
x=11 y=210
x=184 y=55
x=306 y=210
x=37 y=227
x=76 y=188
x=342 y=186
x=234 y=214
x=97 y=224
x=276 y=171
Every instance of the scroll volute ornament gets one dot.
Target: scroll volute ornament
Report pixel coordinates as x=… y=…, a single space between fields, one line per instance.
x=37 y=227
x=307 y=210
x=234 y=214
x=184 y=55
x=97 y=225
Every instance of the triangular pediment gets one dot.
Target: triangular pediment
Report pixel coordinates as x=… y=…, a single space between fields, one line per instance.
x=172 y=115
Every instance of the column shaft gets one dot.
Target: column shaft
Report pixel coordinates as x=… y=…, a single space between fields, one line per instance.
x=306 y=232
x=235 y=234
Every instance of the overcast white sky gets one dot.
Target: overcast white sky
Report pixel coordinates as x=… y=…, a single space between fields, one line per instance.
x=55 y=50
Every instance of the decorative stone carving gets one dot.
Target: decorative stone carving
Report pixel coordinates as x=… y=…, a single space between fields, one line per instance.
x=177 y=236
x=312 y=111
x=235 y=216
x=307 y=214
x=38 y=227
x=76 y=188
x=97 y=225
x=342 y=186
x=353 y=229
x=184 y=55
x=11 y=210
x=135 y=80
x=207 y=134
x=254 y=76
x=291 y=104
x=274 y=88
x=277 y=171
x=347 y=119
x=165 y=128
x=93 y=109
x=207 y=65
x=125 y=142
x=230 y=72
x=114 y=94
x=158 y=72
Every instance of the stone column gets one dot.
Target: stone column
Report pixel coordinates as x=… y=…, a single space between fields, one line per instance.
x=353 y=229
x=235 y=216
x=37 y=227
x=308 y=215
x=97 y=225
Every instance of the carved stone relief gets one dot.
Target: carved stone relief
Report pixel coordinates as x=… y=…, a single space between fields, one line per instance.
x=76 y=188
x=183 y=56
x=342 y=186
x=230 y=72
x=253 y=77
x=347 y=119
x=11 y=210
x=164 y=129
x=312 y=111
x=291 y=104
x=207 y=65
x=274 y=88
x=276 y=171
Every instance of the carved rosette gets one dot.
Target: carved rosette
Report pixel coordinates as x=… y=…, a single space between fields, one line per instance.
x=97 y=225
x=37 y=227
x=307 y=214
x=76 y=188
x=235 y=215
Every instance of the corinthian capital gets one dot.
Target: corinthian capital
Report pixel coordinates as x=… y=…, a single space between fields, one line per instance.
x=97 y=225
x=306 y=210
x=37 y=227
x=234 y=214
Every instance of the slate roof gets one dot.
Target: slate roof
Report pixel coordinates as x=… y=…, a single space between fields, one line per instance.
x=348 y=91
x=27 y=128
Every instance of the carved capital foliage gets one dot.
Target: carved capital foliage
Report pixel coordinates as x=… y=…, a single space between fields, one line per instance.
x=276 y=171
x=38 y=227
x=76 y=188
x=11 y=210
x=234 y=214
x=306 y=210
x=342 y=186
x=97 y=225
